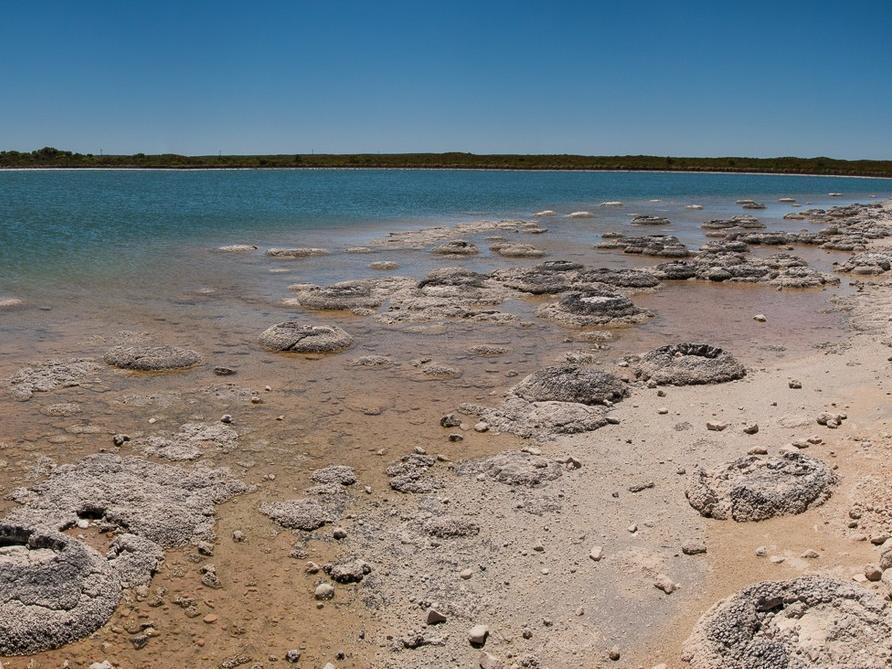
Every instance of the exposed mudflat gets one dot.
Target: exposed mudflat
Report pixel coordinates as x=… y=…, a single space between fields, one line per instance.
x=660 y=452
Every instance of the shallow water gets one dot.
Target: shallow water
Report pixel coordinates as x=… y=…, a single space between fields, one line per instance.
x=100 y=229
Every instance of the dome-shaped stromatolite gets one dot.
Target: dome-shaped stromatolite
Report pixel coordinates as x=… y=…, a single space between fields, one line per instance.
x=558 y=266
x=304 y=338
x=151 y=358
x=688 y=364
x=569 y=383
x=622 y=278
x=811 y=622
x=757 y=488
x=595 y=307
x=339 y=296
x=53 y=590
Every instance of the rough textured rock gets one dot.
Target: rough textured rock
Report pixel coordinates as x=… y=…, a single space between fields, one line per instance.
x=340 y=474
x=410 y=474
x=350 y=570
x=514 y=468
x=457 y=247
x=191 y=442
x=296 y=253
x=450 y=527
x=570 y=383
x=688 y=364
x=811 y=622
x=510 y=250
x=781 y=269
x=757 y=487
x=53 y=590
x=868 y=263
x=650 y=220
x=665 y=246
x=622 y=278
x=167 y=504
x=344 y=295
x=43 y=377
x=534 y=280
x=134 y=559
x=297 y=337
x=539 y=420
x=149 y=358
x=305 y=513
x=453 y=277
x=595 y=307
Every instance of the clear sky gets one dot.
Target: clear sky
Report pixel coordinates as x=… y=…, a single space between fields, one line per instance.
x=668 y=78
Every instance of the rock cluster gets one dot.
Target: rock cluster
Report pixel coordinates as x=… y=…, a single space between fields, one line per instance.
x=664 y=246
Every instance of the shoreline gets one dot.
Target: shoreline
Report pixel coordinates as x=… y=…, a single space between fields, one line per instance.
x=206 y=168
x=502 y=546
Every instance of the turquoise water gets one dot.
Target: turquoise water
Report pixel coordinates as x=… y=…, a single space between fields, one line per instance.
x=83 y=227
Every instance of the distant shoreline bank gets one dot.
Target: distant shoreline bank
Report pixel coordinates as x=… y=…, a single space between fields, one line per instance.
x=50 y=158
x=440 y=169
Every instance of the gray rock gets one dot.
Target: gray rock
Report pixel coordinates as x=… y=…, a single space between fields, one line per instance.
x=44 y=377
x=810 y=622
x=570 y=383
x=688 y=364
x=756 y=488
x=410 y=474
x=53 y=590
x=151 y=358
x=514 y=468
x=167 y=504
x=293 y=336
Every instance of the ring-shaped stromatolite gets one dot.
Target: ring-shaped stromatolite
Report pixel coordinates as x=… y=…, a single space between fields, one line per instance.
x=53 y=590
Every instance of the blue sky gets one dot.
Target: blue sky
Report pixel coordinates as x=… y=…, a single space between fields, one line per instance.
x=667 y=78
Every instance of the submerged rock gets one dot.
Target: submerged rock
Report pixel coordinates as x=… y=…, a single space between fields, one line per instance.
x=297 y=253
x=297 y=337
x=811 y=622
x=192 y=441
x=167 y=504
x=650 y=220
x=53 y=590
x=508 y=250
x=44 y=377
x=151 y=358
x=688 y=364
x=457 y=247
x=756 y=487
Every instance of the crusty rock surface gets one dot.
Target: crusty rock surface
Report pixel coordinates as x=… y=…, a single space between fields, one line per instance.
x=167 y=504
x=53 y=590
x=344 y=295
x=410 y=474
x=757 y=487
x=148 y=358
x=304 y=252
x=594 y=307
x=297 y=337
x=457 y=247
x=811 y=622
x=340 y=474
x=43 y=377
x=571 y=383
x=191 y=442
x=510 y=250
x=666 y=246
x=514 y=468
x=304 y=513
x=688 y=364
x=539 y=420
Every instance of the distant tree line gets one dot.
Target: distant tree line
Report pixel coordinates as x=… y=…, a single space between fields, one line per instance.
x=52 y=157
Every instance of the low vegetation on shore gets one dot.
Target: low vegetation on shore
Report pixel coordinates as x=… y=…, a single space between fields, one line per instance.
x=51 y=157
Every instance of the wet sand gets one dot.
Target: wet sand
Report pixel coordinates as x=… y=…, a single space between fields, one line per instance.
x=297 y=413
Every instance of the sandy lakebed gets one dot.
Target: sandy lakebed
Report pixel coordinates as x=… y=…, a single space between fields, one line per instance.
x=493 y=445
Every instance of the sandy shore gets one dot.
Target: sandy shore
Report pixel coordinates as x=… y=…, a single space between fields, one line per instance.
x=394 y=481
